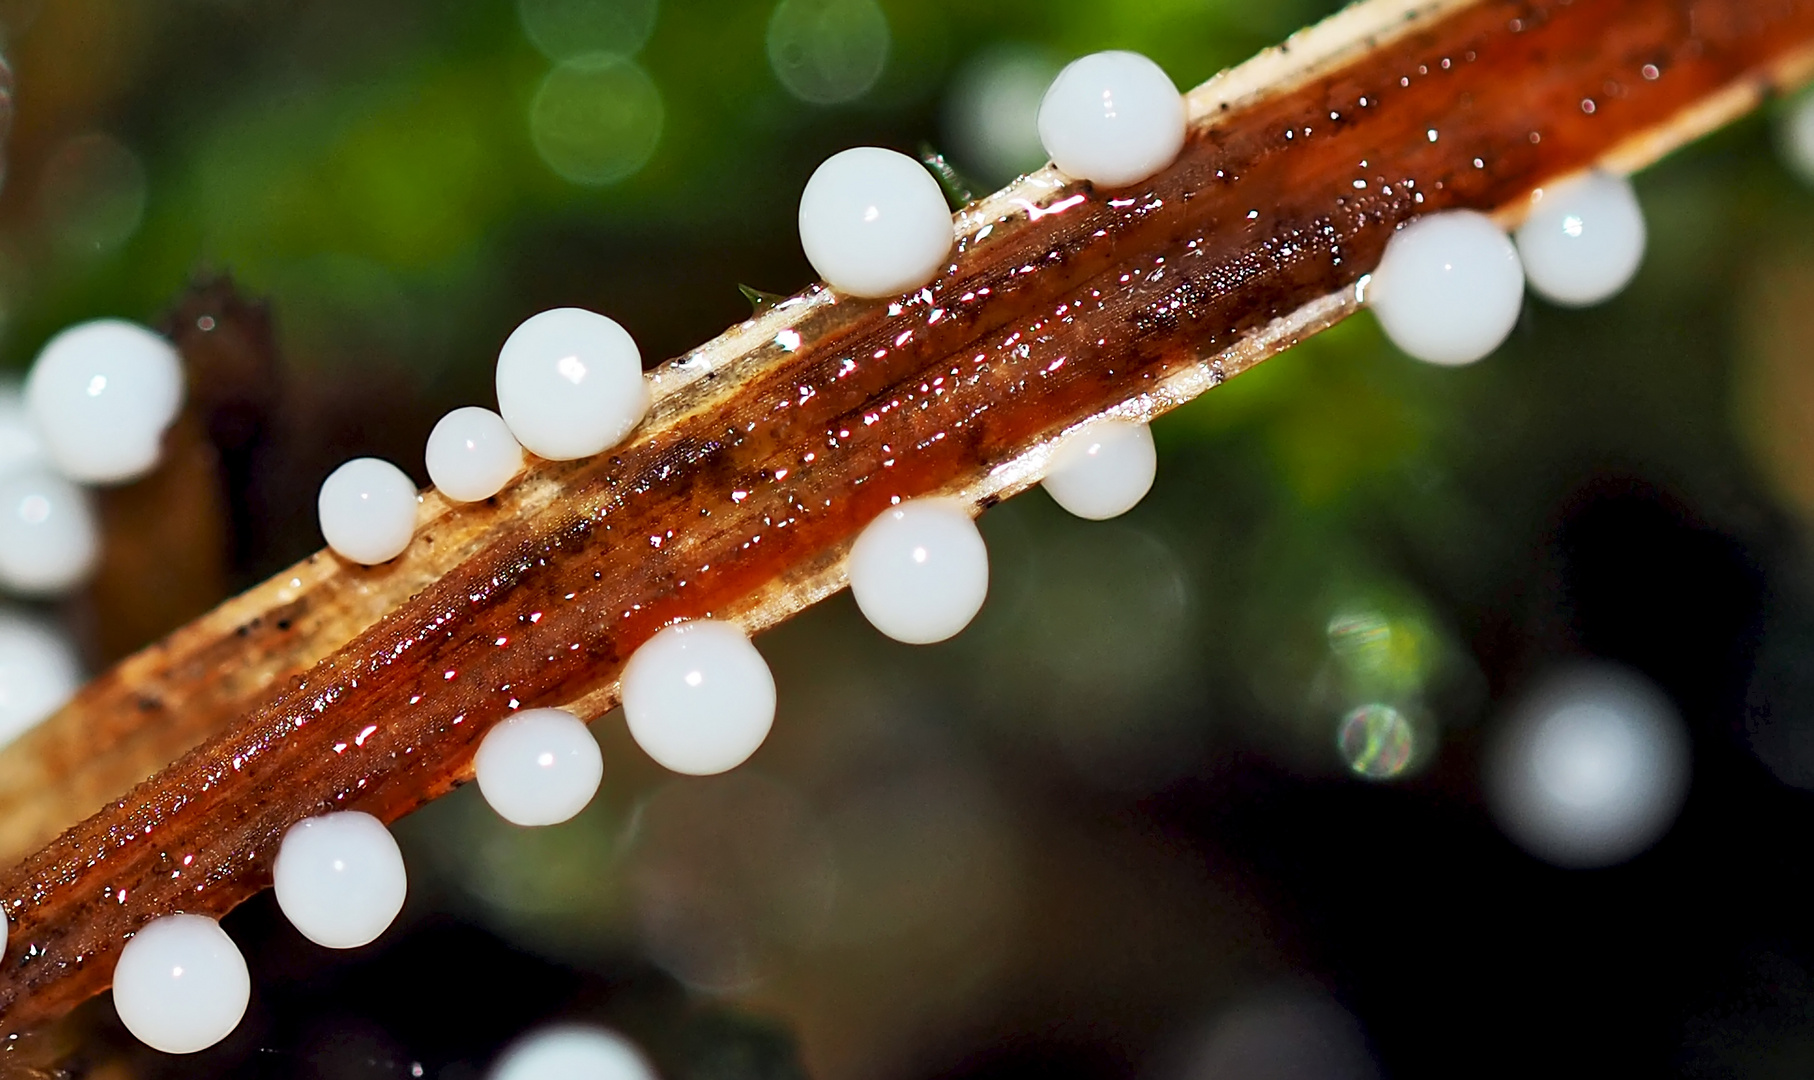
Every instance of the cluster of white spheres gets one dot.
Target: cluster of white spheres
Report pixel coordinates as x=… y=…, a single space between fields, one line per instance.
x=698 y=697
x=1112 y=118
x=1448 y=288
x=1583 y=239
x=570 y=383
x=339 y=878
x=1103 y=469
x=920 y=570
x=539 y=767
x=367 y=509
x=1590 y=769
x=874 y=222
x=38 y=673
x=181 y=984
x=572 y=1052
x=101 y=394
x=471 y=454
x=1450 y=285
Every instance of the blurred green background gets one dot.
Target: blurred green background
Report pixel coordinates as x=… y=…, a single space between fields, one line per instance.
x=1208 y=768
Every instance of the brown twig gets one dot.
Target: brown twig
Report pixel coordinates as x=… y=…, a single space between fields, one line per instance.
x=338 y=687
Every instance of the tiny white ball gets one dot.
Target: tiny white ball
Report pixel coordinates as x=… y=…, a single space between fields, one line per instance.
x=472 y=454
x=920 y=570
x=874 y=222
x=1112 y=118
x=39 y=672
x=698 y=697
x=181 y=984
x=1583 y=240
x=572 y=1052
x=48 y=540
x=368 y=510
x=101 y=394
x=570 y=383
x=1448 y=288
x=539 y=767
x=339 y=878
x=1103 y=469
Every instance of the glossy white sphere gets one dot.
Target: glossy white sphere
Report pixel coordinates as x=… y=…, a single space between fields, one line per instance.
x=472 y=454
x=48 y=540
x=368 y=510
x=874 y=222
x=539 y=767
x=1583 y=240
x=101 y=394
x=1112 y=118
x=1590 y=769
x=38 y=673
x=570 y=383
x=1103 y=469
x=1449 y=287
x=698 y=697
x=920 y=570
x=181 y=984
x=339 y=878
x=572 y=1052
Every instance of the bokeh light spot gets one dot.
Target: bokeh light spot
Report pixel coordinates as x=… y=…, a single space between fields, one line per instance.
x=1376 y=741
x=827 y=51
x=92 y=193
x=596 y=119
x=991 y=112
x=564 y=29
x=1590 y=768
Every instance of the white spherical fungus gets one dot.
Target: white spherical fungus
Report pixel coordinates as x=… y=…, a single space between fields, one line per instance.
x=38 y=673
x=539 y=767
x=181 y=984
x=920 y=570
x=101 y=394
x=1112 y=118
x=1583 y=240
x=572 y=1052
x=339 y=878
x=1449 y=287
x=1590 y=769
x=874 y=222
x=698 y=697
x=1103 y=469
x=472 y=454
x=570 y=383
x=368 y=510
x=48 y=540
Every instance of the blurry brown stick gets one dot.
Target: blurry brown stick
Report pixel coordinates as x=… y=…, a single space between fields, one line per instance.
x=333 y=686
